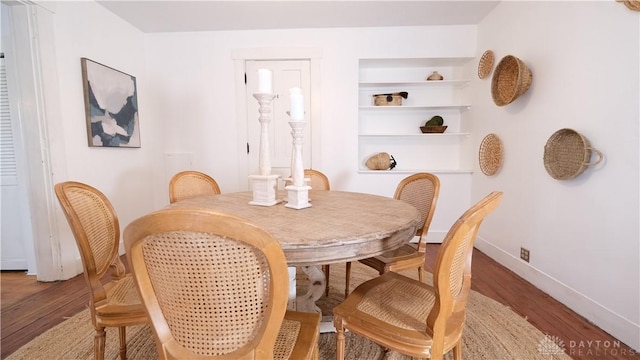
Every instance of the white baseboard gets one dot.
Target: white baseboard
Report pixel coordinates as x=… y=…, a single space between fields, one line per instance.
x=79 y=267
x=621 y=328
x=13 y=264
x=436 y=237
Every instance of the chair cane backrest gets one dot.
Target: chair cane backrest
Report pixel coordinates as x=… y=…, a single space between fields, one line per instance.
x=318 y=180
x=452 y=272
x=113 y=301
x=214 y=285
x=96 y=229
x=420 y=190
x=188 y=184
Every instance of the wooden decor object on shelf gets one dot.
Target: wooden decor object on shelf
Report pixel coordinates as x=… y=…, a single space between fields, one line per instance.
x=433 y=129
x=435 y=76
x=511 y=79
x=381 y=161
x=485 y=65
x=490 y=154
x=387 y=100
x=434 y=125
x=393 y=99
x=567 y=154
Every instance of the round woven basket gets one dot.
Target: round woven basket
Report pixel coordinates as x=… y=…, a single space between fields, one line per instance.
x=485 y=65
x=631 y=4
x=511 y=79
x=567 y=154
x=490 y=154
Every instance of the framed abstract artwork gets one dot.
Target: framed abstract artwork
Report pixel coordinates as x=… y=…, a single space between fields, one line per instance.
x=111 y=106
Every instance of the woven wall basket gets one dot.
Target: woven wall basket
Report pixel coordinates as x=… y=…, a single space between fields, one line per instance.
x=485 y=65
x=490 y=154
x=631 y=4
x=511 y=79
x=567 y=154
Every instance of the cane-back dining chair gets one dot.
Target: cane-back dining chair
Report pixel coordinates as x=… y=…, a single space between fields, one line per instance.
x=113 y=302
x=216 y=287
x=420 y=190
x=188 y=184
x=409 y=316
x=318 y=180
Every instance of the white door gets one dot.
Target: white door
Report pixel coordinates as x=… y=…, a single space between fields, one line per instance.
x=286 y=75
x=13 y=234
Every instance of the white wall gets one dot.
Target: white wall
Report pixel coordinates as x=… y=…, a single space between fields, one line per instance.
x=191 y=78
x=187 y=104
x=125 y=175
x=582 y=233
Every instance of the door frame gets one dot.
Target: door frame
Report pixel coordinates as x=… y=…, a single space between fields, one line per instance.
x=32 y=41
x=240 y=56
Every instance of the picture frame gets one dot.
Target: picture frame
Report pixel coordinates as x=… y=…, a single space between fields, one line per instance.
x=111 y=106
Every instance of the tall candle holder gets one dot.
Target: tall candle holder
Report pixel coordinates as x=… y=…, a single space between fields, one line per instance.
x=297 y=192
x=264 y=184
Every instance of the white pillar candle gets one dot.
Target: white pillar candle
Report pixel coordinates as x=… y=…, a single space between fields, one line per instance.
x=297 y=104
x=264 y=81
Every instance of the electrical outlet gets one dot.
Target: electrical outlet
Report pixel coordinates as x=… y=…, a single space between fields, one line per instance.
x=524 y=254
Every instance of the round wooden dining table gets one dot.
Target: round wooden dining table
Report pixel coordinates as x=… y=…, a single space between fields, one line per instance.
x=338 y=227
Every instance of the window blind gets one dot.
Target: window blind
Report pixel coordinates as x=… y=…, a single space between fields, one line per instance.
x=8 y=165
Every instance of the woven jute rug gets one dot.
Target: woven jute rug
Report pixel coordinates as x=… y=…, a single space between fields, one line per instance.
x=492 y=332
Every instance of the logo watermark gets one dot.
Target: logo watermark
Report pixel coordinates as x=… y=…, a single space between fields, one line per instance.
x=553 y=345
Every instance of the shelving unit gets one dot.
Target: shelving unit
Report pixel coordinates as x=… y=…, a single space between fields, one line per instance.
x=396 y=129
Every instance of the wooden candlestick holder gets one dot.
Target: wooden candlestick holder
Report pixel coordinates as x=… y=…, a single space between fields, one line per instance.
x=264 y=184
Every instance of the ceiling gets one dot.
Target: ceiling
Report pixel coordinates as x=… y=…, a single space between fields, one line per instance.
x=152 y=16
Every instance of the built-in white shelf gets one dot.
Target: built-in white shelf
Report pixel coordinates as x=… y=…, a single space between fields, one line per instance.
x=414 y=107
x=413 y=171
x=396 y=129
x=413 y=84
x=445 y=134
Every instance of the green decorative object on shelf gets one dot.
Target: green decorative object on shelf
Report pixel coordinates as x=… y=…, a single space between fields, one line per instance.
x=435 y=121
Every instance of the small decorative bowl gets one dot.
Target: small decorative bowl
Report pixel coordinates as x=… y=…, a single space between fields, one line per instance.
x=433 y=129
x=435 y=76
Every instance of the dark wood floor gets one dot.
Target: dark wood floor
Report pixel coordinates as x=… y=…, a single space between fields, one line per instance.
x=29 y=308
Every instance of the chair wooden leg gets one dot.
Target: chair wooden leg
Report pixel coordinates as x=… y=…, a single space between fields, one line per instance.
x=326 y=277
x=457 y=351
x=98 y=343
x=337 y=323
x=420 y=274
x=122 y=331
x=347 y=279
